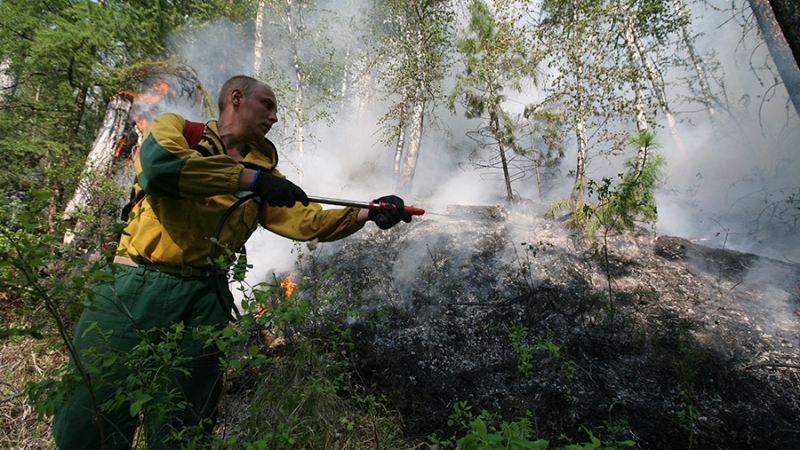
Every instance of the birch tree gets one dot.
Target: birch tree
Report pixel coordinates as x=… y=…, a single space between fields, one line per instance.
x=303 y=64
x=583 y=79
x=414 y=38
x=787 y=13
x=778 y=47
x=646 y=29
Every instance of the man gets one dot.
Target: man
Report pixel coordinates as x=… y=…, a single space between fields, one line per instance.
x=162 y=275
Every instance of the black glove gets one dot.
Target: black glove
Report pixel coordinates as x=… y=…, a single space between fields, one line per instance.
x=277 y=191
x=390 y=214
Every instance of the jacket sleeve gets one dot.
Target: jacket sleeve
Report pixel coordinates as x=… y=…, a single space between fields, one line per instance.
x=305 y=223
x=167 y=167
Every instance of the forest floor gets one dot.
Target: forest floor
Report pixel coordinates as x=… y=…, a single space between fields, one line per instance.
x=674 y=346
x=666 y=343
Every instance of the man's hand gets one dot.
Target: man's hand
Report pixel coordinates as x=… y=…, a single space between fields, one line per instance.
x=390 y=213
x=277 y=191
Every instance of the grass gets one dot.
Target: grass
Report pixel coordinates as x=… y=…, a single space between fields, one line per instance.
x=305 y=397
x=24 y=360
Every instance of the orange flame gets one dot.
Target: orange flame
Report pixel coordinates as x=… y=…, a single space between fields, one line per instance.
x=260 y=311
x=142 y=123
x=288 y=285
x=117 y=150
x=156 y=93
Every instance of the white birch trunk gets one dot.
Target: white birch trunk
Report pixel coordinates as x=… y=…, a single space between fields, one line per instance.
x=298 y=75
x=6 y=82
x=707 y=98
x=112 y=154
x=398 y=152
x=415 y=122
x=258 y=46
x=657 y=85
x=101 y=159
x=414 y=143
x=641 y=116
x=581 y=138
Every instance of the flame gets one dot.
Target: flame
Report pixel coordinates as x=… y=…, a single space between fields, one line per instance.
x=156 y=93
x=142 y=123
x=120 y=144
x=288 y=285
x=260 y=310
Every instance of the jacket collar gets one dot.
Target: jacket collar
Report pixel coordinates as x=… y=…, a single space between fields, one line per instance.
x=262 y=155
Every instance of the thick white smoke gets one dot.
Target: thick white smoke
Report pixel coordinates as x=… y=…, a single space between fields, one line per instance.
x=714 y=191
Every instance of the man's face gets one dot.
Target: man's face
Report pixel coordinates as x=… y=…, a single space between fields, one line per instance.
x=259 y=111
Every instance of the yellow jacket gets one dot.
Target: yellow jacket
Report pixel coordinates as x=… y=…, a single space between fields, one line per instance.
x=187 y=193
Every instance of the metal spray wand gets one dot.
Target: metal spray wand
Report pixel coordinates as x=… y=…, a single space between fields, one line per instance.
x=368 y=205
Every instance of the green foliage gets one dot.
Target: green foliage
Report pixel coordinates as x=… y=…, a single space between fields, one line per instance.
x=526 y=352
x=60 y=61
x=496 y=58
x=489 y=431
x=595 y=443
x=620 y=204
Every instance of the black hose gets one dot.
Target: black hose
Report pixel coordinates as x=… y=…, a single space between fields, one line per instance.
x=231 y=308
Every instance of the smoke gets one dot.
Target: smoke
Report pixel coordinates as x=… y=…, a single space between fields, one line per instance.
x=731 y=186
x=715 y=192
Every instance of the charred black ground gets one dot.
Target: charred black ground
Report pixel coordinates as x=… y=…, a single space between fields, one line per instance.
x=692 y=347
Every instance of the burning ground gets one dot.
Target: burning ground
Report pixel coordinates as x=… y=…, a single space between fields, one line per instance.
x=689 y=347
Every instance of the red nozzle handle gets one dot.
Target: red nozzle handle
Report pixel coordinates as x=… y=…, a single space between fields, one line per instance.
x=409 y=209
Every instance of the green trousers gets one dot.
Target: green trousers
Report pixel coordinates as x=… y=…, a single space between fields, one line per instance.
x=142 y=305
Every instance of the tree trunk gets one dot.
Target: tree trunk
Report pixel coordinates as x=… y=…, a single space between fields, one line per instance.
x=78 y=107
x=258 y=46
x=497 y=129
x=294 y=31
x=636 y=61
x=536 y=159
x=779 y=49
x=659 y=90
x=112 y=152
x=414 y=143
x=416 y=121
x=398 y=151
x=787 y=13
x=581 y=138
x=6 y=83
x=706 y=96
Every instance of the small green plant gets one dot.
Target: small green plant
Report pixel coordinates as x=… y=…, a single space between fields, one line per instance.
x=526 y=352
x=620 y=204
x=688 y=418
x=595 y=443
x=488 y=431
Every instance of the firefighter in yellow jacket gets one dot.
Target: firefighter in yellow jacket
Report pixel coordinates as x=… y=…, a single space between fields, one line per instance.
x=188 y=176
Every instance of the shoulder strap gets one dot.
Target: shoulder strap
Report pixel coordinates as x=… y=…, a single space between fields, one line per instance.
x=193 y=132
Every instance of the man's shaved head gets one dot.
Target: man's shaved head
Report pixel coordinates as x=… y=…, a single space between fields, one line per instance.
x=242 y=82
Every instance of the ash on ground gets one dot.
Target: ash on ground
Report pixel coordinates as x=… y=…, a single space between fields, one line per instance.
x=675 y=345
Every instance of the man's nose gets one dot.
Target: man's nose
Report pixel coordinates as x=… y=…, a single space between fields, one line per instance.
x=273 y=116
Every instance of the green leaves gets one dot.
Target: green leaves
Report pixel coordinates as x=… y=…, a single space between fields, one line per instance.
x=483 y=433
x=138 y=401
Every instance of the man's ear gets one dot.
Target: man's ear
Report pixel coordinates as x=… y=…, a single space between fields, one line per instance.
x=236 y=98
